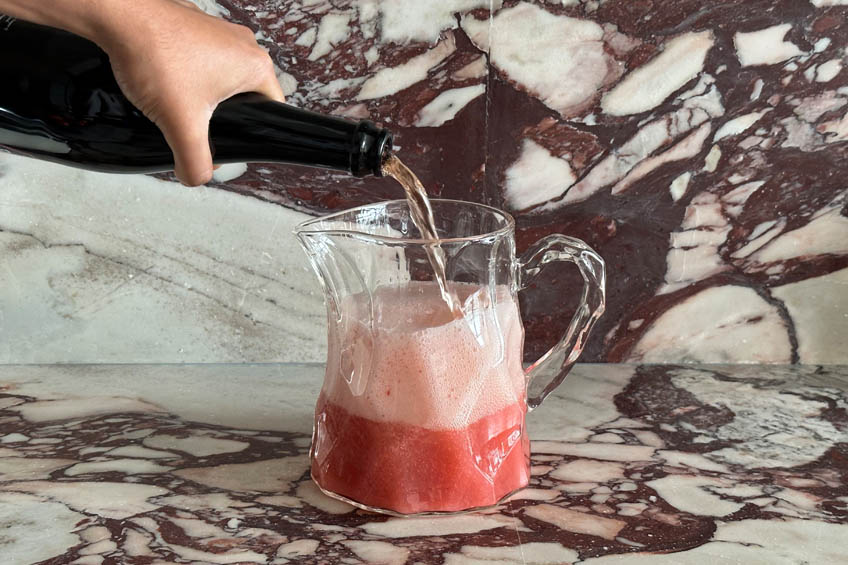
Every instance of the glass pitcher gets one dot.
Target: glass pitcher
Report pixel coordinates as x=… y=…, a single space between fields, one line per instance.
x=422 y=408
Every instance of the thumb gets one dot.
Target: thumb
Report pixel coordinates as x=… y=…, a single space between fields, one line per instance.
x=187 y=133
x=271 y=88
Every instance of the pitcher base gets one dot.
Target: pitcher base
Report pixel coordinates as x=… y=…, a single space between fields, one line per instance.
x=394 y=513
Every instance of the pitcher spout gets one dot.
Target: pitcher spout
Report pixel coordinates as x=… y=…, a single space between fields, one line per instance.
x=347 y=296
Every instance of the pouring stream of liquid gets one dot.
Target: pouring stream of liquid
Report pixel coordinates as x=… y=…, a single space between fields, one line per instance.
x=422 y=216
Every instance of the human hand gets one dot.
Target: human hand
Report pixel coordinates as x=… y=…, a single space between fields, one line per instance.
x=176 y=63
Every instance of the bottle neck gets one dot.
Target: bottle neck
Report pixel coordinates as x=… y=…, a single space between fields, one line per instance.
x=251 y=127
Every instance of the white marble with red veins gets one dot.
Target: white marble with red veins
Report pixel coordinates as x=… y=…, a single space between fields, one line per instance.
x=701 y=148
x=631 y=464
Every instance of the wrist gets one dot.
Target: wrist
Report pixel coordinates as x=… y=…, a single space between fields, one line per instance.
x=86 y=18
x=106 y=22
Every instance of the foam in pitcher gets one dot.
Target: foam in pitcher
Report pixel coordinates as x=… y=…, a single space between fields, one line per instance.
x=428 y=367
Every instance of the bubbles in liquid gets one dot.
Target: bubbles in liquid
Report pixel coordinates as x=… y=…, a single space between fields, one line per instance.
x=429 y=368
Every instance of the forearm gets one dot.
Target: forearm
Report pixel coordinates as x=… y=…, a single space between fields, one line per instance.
x=88 y=18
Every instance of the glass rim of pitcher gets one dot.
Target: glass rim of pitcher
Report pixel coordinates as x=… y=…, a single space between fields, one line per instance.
x=506 y=229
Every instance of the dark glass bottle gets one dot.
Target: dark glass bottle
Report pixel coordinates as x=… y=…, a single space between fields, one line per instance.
x=60 y=102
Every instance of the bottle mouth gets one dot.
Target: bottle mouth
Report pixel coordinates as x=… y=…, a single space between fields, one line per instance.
x=373 y=145
x=384 y=150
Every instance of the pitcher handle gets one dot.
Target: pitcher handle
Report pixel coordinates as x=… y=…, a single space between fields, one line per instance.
x=551 y=368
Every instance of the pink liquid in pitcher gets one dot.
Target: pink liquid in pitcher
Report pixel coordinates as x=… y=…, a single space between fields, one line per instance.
x=438 y=424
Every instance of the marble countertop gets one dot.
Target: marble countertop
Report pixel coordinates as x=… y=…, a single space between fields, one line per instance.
x=142 y=464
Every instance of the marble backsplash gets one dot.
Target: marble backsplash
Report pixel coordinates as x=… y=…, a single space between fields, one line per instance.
x=700 y=147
